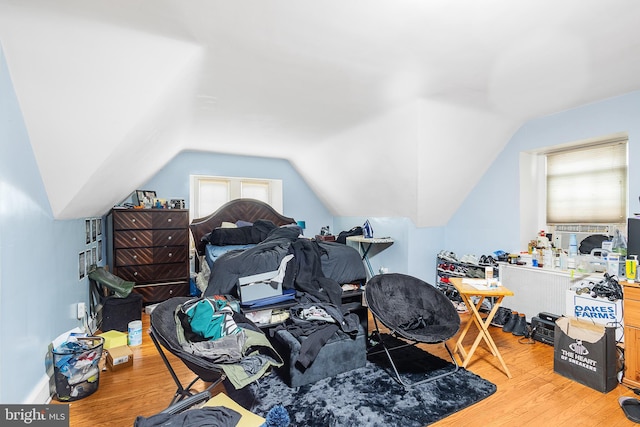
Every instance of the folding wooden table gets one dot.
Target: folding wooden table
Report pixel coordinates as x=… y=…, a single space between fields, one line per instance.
x=468 y=291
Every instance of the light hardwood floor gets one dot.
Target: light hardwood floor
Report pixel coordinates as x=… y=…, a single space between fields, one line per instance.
x=535 y=396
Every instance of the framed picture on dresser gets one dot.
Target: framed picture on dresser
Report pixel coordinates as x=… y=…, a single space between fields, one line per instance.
x=144 y=197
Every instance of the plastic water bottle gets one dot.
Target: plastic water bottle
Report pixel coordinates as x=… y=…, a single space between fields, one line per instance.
x=573 y=246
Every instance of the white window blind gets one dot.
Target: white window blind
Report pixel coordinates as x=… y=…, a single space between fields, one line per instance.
x=255 y=190
x=208 y=193
x=588 y=184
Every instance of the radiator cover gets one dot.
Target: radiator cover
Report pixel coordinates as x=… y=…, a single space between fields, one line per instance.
x=538 y=290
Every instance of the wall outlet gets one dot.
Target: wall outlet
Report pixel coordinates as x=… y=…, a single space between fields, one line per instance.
x=82 y=310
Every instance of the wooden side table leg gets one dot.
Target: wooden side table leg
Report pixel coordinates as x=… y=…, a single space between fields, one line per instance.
x=459 y=348
x=489 y=339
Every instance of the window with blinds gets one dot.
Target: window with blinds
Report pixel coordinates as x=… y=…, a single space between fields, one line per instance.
x=588 y=184
x=208 y=193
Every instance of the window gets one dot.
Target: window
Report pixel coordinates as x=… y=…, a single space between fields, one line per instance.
x=208 y=193
x=576 y=186
x=587 y=184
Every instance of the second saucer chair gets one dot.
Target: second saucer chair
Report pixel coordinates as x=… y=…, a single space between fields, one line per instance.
x=412 y=310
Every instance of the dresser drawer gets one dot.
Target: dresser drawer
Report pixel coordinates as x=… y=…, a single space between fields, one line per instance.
x=144 y=219
x=160 y=292
x=631 y=292
x=150 y=255
x=132 y=220
x=146 y=238
x=170 y=219
x=631 y=313
x=154 y=272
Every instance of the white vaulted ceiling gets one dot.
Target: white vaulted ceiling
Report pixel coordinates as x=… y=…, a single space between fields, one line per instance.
x=111 y=90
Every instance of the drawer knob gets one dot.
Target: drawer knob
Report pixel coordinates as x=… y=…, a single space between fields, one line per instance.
x=134 y=238
x=170 y=254
x=133 y=220
x=135 y=273
x=170 y=291
x=169 y=237
x=135 y=257
x=169 y=220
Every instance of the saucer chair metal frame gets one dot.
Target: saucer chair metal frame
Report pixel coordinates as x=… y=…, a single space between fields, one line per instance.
x=163 y=333
x=412 y=310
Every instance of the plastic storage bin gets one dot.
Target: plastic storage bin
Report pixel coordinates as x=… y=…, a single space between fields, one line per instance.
x=76 y=367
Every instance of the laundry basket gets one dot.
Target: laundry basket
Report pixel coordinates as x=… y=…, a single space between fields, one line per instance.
x=76 y=367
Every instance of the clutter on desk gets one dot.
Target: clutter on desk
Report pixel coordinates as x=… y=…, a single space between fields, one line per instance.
x=148 y=199
x=325 y=235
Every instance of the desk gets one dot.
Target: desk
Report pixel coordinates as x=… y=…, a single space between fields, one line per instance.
x=467 y=292
x=369 y=242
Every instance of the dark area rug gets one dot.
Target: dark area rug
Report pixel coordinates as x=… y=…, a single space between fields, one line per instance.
x=370 y=396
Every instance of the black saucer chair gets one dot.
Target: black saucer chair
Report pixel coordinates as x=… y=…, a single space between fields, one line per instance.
x=414 y=311
x=163 y=332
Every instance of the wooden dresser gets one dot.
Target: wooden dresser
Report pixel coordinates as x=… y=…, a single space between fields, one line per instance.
x=631 y=307
x=151 y=248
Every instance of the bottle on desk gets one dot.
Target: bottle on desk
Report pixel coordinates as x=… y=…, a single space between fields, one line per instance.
x=535 y=258
x=573 y=246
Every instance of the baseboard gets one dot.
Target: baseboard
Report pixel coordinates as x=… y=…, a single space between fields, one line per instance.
x=41 y=392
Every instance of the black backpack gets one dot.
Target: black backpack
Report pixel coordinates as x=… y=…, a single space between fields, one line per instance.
x=355 y=231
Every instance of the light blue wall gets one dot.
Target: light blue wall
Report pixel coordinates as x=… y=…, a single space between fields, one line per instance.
x=300 y=202
x=489 y=219
x=39 y=283
x=395 y=256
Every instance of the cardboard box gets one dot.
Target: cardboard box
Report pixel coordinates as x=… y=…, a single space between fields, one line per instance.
x=114 y=339
x=258 y=286
x=119 y=358
x=585 y=352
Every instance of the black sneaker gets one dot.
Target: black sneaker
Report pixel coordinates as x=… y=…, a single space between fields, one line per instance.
x=501 y=317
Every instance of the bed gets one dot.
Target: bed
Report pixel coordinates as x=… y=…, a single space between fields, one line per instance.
x=246 y=237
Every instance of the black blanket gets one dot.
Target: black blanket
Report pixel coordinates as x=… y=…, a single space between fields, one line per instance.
x=317 y=268
x=263 y=257
x=255 y=233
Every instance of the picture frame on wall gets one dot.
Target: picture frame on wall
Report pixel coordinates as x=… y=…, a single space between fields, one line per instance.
x=87 y=227
x=82 y=266
x=94 y=229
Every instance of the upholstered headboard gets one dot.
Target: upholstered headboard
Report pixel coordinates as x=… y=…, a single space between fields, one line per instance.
x=249 y=210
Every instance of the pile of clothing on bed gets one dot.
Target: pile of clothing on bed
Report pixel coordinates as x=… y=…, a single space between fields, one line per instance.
x=317 y=270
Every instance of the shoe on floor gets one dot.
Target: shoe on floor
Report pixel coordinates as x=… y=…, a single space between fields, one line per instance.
x=631 y=408
x=520 y=328
x=511 y=323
